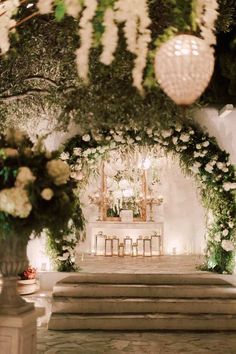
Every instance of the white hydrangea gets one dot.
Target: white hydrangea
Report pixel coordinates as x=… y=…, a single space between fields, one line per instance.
x=15 y=201
x=24 y=177
x=59 y=171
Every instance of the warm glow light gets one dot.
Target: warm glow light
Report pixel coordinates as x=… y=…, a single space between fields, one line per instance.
x=183 y=68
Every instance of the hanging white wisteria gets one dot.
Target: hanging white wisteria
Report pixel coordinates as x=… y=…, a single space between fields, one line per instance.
x=189 y=58
x=183 y=68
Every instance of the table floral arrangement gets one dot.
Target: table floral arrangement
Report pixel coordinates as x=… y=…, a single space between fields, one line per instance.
x=36 y=193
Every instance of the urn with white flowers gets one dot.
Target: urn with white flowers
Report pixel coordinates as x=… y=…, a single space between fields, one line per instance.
x=36 y=193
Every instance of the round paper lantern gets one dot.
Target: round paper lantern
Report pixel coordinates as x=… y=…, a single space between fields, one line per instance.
x=183 y=68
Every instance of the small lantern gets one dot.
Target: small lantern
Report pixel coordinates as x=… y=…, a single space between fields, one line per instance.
x=183 y=68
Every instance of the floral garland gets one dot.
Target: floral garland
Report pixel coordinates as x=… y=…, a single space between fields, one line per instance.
x=199 y=155
x=98 y=26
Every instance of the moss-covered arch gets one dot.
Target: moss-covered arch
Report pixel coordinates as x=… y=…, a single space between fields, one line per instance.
x=199 y=156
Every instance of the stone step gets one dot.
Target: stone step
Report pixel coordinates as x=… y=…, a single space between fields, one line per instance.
x=142 y=305
x=203 y=278
x=142 y=322
x=141 y=290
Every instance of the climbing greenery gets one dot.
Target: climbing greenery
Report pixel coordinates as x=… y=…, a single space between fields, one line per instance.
x=199 y=155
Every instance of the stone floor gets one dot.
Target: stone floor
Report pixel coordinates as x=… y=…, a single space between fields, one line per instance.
x=98 y=342
x=156 y=264
x=53 y=342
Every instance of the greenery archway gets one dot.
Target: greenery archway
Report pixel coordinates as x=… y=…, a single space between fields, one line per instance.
x=199 y=155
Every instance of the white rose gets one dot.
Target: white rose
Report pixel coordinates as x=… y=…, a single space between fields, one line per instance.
x=167 y=133
x=220 y=165
x=47 y=193
x=15 y=201
x=198 y=146
x=205 y=143
x=24 y=177
x=225 y=232
x=184 y=137
x=209 y=168
x=227 y=245
x=175 y=140
x=86 y=137
x=59 y=171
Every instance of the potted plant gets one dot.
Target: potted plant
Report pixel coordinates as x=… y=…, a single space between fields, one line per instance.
x=27 y=283
x=36 y=193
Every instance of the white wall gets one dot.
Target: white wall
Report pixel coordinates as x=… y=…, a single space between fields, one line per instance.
x=181 y=212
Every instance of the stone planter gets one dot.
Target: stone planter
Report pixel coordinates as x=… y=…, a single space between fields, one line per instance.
x=13 y=260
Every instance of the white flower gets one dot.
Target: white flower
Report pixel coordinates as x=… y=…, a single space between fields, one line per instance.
x=195 y=167
x=85 y=33
x=227 y=245
x=227 y=186
x=220 y=165
x=24 y=177
x=59 y=171
x=64 y=156
x=196 y=154
x=86 y=137
x=205 y=143
x=184 y=137
x=109 y=38
x=7 y=10
x=64 y=257
x=77 y=151
x=47 y=193
x=138 y=138
x=175 y=140
x=149 y=131
x=198 y=146
x=73 y=8
x=166 y=133
x=15 y=201
x=209 y=168
x=45 y=6
x=231 y=224
x=178 y=127
x=217 y=237
x=225 y=232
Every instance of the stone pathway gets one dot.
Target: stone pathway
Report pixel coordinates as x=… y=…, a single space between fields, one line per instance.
x=57 y=342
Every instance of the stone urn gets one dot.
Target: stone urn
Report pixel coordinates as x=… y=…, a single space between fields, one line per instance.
x=13 y=260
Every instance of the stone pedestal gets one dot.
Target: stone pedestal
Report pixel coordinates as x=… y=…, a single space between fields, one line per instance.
x=18 y=333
